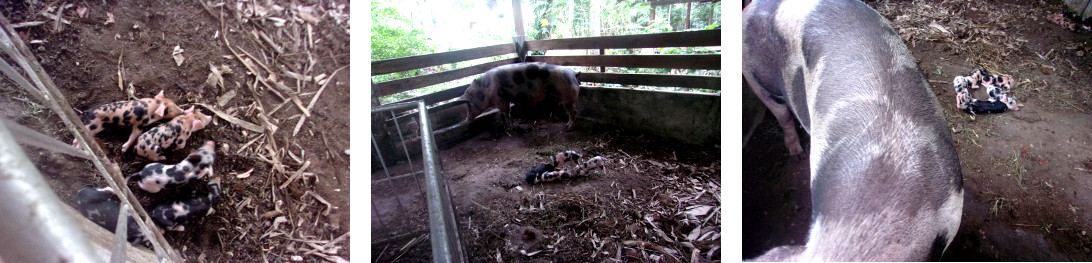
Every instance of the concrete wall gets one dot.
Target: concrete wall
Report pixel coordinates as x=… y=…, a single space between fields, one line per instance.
x=691 y=118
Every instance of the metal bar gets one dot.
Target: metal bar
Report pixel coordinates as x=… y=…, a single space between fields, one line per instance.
x=402 y=138
x=34 y=226
x=444 y=231
x=376 y=214
x=375 y=145
x=396 y=177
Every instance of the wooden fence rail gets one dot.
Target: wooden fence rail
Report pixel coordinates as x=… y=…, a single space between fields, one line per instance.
x=683 y=81
x=698 y=38
x=423 y=61
x=635 y=61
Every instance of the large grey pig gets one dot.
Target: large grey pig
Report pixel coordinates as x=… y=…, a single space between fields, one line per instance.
x=886 y=183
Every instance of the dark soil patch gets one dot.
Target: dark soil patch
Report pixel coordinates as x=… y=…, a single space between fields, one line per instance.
x=654 y=196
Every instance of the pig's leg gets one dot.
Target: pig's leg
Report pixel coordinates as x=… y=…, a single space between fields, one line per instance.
x=784 y=117
x=132 y=138
x=505 y=114
x=570 y=108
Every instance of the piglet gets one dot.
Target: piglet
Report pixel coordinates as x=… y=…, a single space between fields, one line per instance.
x=172 y=215
x=175 y=133
x=541 y=168
x=101 y=206
x=550 y=176
x=593 y=163
x=156 y=176
x=563 y=158
x=982 y=77
x=133 y=113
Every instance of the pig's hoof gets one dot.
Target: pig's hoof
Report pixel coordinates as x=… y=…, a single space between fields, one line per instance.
x=796 y=150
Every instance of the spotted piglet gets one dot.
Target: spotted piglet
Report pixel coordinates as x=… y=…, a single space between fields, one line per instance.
x=175 y=133
x=593 y=163
x=550 y=176
x=172 y=215
x=999 y=102
x=156 y=176
x=531 y=176
x=563 y=158
x=133 y=113
x=982 y=77
x=101 y=206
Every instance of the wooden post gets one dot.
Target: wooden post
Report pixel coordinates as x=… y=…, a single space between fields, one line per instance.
x=687 y=15
x=652 y=16
x=520 y=40
x=602 y=52
x=712 y=11
x=518 y=14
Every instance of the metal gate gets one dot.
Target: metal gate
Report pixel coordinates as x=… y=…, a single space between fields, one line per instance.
x=397 y=184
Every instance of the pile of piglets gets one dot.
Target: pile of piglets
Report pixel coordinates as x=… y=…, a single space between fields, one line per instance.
x=556 y=168
x=101 y=205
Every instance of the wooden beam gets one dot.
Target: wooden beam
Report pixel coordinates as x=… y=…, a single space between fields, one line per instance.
x=671 y=2
x=660 y=80
x=518 y=15
x=423 y=61
x=400 y=85
x=102 y=241
x=688 y=15
x=698 y=38
x=443 y=95
x=635 y=61
x=652 y=13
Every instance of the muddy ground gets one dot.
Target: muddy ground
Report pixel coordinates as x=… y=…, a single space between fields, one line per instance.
x=655 y=199
x=1026 y=173
x=257 y=219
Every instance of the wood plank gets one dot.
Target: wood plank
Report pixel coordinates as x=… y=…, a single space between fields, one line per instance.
x=422 y=61
x=102 y=240
x=660 y=80
x=400 y=85
x=698 y=38
x=447 y=94
x=635 y=61
x=671 y=2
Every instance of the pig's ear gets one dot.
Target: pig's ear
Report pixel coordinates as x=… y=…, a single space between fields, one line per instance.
x=161 y=110
x=197 y=125
x=189 y=111
x=160 y=95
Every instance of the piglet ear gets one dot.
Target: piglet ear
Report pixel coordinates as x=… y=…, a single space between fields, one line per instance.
x=197 y=125
x=190 y=110
x=160 y=95
x=161 y=110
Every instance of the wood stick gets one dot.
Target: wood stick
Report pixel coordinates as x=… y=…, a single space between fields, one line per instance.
x=298 y=174
x=314 y=99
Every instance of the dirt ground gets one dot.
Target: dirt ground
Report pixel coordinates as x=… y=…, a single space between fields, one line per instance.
x=1025 y=172
x=655 y=199
x=257 y=219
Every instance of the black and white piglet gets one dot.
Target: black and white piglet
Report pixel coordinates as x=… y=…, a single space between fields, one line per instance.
x=565 y=157
x=550 y=176
x=593 y=163
x=101 y=206
x=531 y=176
x=172 y=215
x=156 y=176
